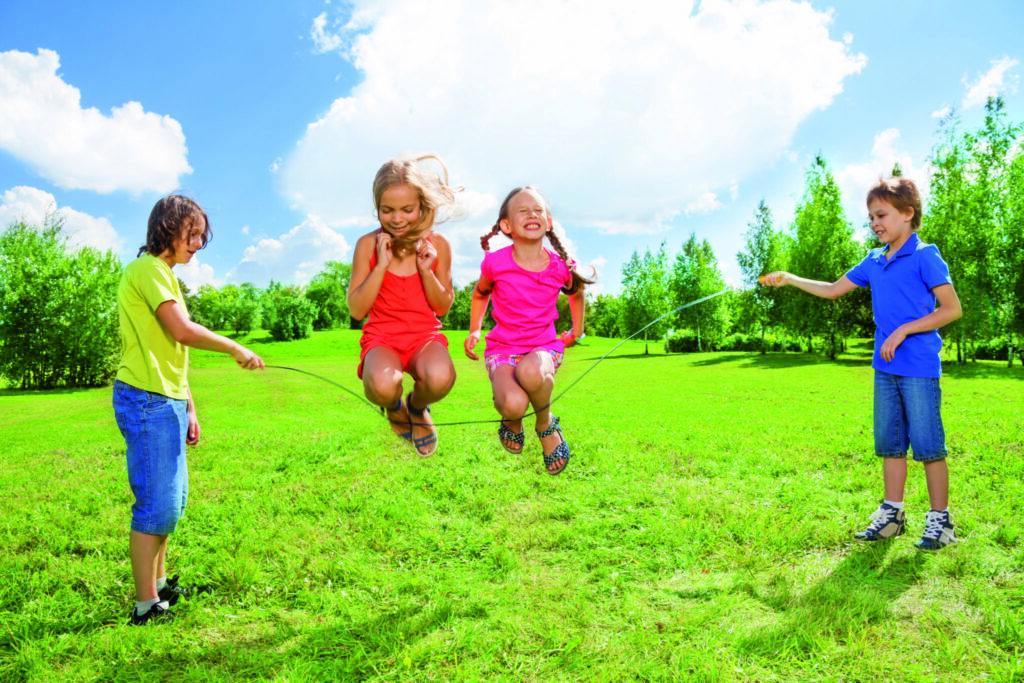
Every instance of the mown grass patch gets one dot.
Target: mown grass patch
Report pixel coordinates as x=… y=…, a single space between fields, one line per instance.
x=702 y=530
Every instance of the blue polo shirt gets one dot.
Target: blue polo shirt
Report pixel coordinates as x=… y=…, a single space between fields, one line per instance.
x=901 y=291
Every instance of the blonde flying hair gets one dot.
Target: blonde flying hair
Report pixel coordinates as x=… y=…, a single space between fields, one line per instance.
x=577 y=280
x=433 y=189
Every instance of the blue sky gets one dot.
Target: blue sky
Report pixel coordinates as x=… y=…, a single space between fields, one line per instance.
x=642 y=122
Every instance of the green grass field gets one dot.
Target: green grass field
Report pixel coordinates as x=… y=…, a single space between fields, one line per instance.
x=702 y=531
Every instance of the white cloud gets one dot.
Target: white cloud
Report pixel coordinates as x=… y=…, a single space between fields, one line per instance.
x=293 y=258
x=705 y=203
x=620 y=112
x=993 y=82
x=856 y=179
x=42 y=122
x=942 y=113
x=195 y=274
x=32 y=206
x=323 y=40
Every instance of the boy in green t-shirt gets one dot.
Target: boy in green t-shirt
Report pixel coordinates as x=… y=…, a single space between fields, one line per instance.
x=152 y=401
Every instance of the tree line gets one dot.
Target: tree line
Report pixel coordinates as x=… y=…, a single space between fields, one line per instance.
x=58 y=308
x=975 y=215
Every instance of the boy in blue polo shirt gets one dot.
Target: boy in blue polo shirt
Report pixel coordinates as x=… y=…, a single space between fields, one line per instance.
x=906 y=277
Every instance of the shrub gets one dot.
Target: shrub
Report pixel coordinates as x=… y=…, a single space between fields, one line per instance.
x=682 y=341
x=740 y=342
x=291 y=315
x=996 y=349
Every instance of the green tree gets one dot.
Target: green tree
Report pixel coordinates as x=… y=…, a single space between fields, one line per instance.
x=761 y=255
x=999 y=143
x=291 y=314
x=328 y=290
x=695 y=275
x=644 y=294
x=603 y=316
x=458 y=315
x=244 y=311
x=1011 y=257
x=824 y=249
x=58 y=310
x=209 y=306
x=969 y=218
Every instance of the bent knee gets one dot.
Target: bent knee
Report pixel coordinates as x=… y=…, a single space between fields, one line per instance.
x=438 y=380
x=385 y=383
x=511 y=403
x=533 y=371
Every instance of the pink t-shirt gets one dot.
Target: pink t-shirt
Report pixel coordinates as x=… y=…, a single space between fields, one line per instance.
x=523 y=303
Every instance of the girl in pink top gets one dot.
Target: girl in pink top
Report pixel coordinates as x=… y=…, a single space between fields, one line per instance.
x=402 y=280
x=523 y=351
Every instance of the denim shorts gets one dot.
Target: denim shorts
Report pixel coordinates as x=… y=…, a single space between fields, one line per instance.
x=907 y=414
x=154 y=427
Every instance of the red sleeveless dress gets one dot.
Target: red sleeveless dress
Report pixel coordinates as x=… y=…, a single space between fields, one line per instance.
x=400 y=318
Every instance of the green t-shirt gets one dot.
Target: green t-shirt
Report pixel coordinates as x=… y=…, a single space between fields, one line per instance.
x=150 y=357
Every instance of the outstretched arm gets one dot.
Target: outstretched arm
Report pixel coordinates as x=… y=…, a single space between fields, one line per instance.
x=825 y=290
x=185 y=331
x=477 y=309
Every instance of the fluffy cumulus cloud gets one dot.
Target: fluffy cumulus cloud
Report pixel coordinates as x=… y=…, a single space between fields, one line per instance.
x=42 y=122
x=624 y=113
x=996 y=81
x=33 y=206
x=195 y=274
x=293 y=258
x=857 y=178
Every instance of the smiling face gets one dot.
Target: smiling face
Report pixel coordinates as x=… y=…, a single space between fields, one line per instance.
x=528 y=217
x=186 y=244
x=891 y=226
x=399 y=209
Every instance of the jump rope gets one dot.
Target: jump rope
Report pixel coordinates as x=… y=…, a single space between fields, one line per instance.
x=380 y=410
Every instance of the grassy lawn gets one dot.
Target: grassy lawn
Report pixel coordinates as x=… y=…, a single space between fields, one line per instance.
x=701 y=531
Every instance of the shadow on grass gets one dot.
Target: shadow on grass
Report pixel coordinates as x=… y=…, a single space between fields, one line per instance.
x=782 y=361
x=628 y=356
x=258 y=342
x=983 y=370
x=855 y=596
x=59 y=391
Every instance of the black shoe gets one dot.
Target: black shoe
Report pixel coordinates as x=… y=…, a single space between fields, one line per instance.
x=155 y=615
x=172 y=591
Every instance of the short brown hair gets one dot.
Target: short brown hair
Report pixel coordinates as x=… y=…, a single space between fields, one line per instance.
x=901 y=193
x=168 y=220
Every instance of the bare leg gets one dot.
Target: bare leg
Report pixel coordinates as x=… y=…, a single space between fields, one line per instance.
x=894 y=473
x=382 y=384
x=536 y=375
x=936 y=473
x=147 y=553
x=511 y=402
x=434 y=374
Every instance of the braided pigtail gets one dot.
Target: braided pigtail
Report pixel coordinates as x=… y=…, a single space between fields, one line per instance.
x=577 y=280
x=486 y=239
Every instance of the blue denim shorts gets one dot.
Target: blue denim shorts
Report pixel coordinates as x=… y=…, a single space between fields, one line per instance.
x=907 y=414
x=154 y=429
